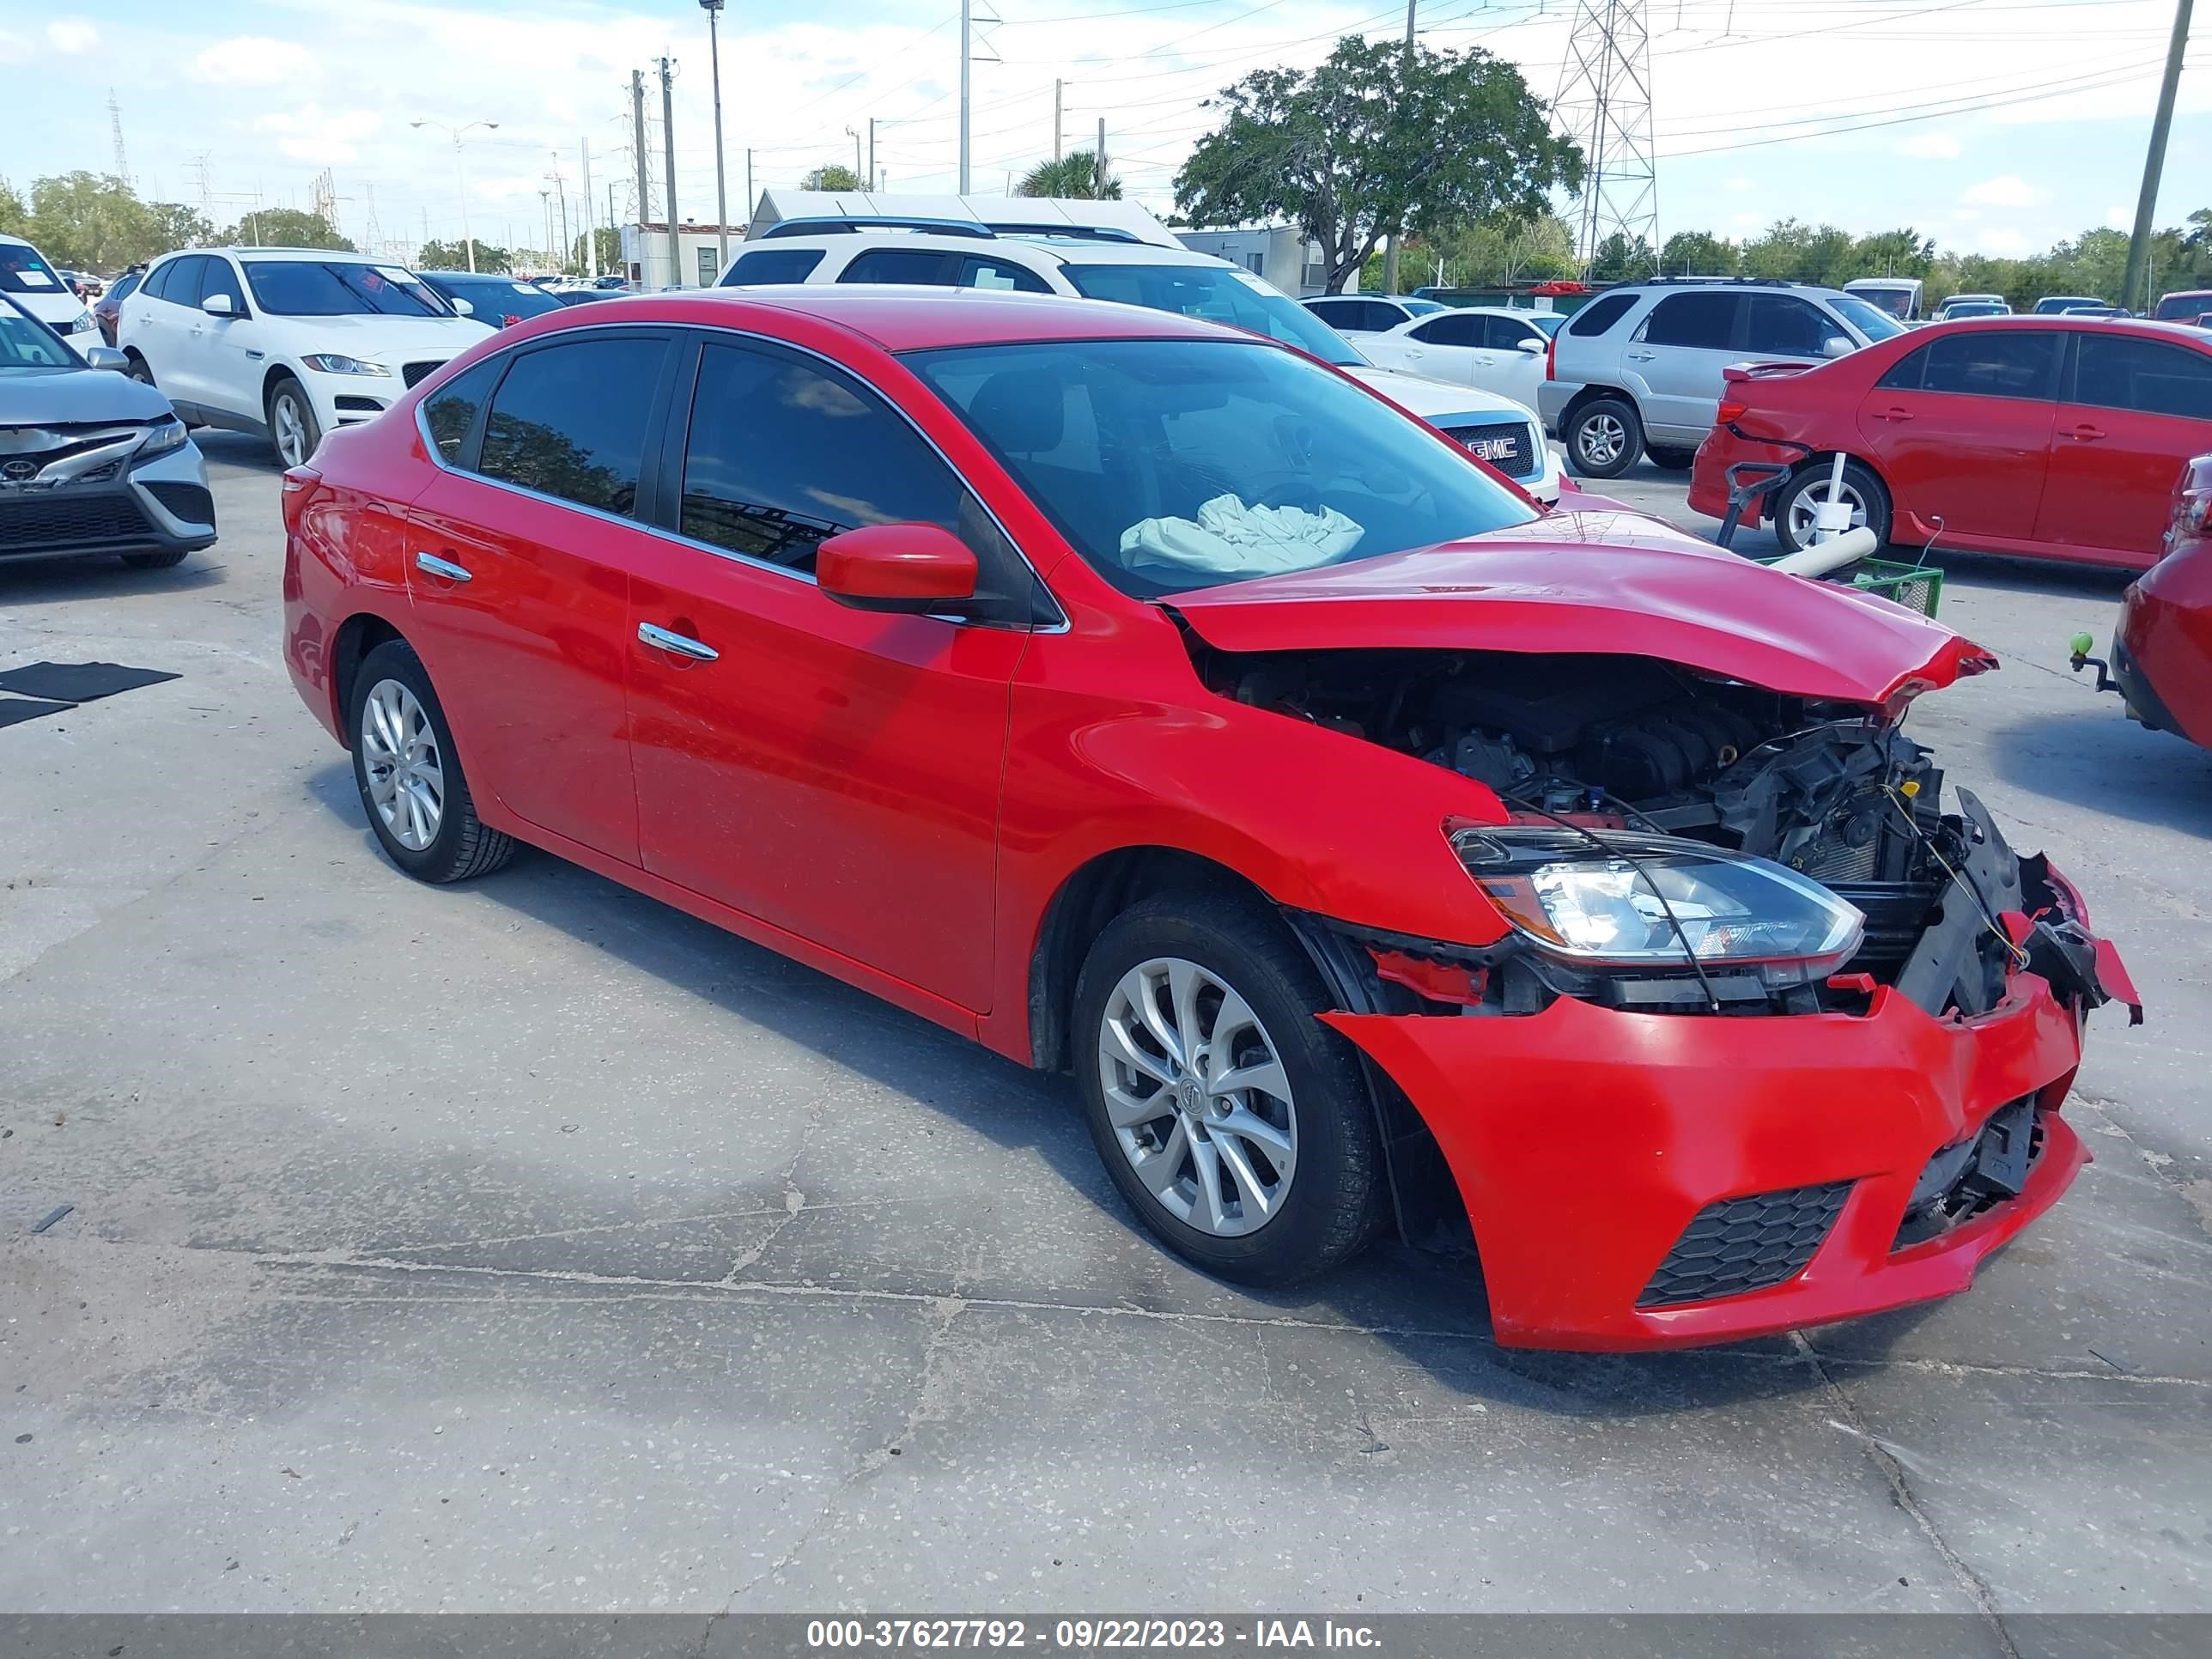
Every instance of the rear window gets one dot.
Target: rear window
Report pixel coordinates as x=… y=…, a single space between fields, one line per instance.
x=1600 y=315
x=772 y=264
x=23 y=272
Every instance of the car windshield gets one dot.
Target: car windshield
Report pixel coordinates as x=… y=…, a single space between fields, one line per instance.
x=302 y=287
x=27 y=343
x=1175 y=465
x=505 y=297
x=22 y=271
x=1979 y=311
x=1870 y=321
x=1549 y=321
x=1894 y=302
x=1220 y=293
x=2173 y=307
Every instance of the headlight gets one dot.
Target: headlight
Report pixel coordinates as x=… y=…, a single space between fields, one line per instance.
x=160 y=439
x=79 y=324
x=334 y=363
x=1602 y=907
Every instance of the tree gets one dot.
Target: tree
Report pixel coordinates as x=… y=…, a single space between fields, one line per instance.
x=1074 y=177
x=178 y=226
x=1350 y=151
x=1620 y=260
x=454 y=256
x=1700 y=253
x=609 y=250
x=832 y=177
x=91 y=221
x=15 y=212
x=1904 y=252
x=281 y=227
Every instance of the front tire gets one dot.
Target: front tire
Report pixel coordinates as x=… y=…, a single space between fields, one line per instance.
x=1795 y=505
x=1604 y=438
x=409 y=776
x=294 y=432
x=1236 y=1123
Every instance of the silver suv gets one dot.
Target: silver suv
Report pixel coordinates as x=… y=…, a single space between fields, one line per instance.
x=1637 y=370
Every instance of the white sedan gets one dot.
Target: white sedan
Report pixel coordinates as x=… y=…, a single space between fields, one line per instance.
x=1490 y=347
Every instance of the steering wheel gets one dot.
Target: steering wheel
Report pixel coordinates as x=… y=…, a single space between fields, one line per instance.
x=1300 y=493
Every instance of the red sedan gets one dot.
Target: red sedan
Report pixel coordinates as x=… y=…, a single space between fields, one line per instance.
x=1149 y=701
x=2055 y=437
x=2162 y=650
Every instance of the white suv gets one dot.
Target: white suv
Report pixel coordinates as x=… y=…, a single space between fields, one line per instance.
x=288 y=343
x=1113 y=264
x=28 y=279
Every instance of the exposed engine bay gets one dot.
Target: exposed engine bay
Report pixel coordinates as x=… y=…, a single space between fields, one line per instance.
x=1630 y=745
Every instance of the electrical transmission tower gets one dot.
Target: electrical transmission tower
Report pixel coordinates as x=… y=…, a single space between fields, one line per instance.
x=115 y=127
x=1604 y=103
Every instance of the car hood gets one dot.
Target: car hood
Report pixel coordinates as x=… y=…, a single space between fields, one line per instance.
x=65 y=397
x=1597 y=581
x=388 y=336
x=1420 y=396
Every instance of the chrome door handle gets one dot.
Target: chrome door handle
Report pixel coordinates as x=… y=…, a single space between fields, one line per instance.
x=430 y=565
x=682 y=644
x=1641 y=357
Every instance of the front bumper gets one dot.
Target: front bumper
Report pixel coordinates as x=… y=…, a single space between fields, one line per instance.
x=1584 y=1141
x=160 y=504
x=351 y=399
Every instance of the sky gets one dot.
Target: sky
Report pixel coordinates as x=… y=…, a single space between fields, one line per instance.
x=1996 y=126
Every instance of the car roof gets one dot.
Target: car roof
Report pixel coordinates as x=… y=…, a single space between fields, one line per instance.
x=319 y=255
x=2014 y=321
x=1060 y=251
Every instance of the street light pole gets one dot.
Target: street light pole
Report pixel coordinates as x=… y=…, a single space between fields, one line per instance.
x=460 y=176
x=713 y=10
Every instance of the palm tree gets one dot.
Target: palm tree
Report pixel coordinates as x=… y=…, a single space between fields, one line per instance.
x=1075 y=176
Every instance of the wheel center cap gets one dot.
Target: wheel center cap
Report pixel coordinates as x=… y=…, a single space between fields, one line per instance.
x=1190 y=1097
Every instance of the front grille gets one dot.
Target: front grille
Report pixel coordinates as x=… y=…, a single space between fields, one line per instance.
x=1505 y=446
x=1975 y=1175
x=359 y=406
x=187 y=501
x=414 y=374
x=63 y=521
x=1743 y=1244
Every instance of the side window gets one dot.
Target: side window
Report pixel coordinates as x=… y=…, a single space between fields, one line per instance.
x=772 y=264
x=183 y=287
x=1338 y=313
x=1788 y=327
x=157 y=280
x=2119 y=371
x=451 y=410
x=1703 y=318
x=1905 y=374
x=219 y=275
x=1455 y=329
x=1993 y=363
x=570 y=421
x=1600 y=314
x=1001 y=274
x=1381 y=316
x=914 y=266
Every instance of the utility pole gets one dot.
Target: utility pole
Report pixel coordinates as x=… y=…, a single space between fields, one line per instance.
x=584 y=212
x=714 y=9
x=2154 y=160
x=560 y=194
x=748 y=191
x=668 y=159
x=967 y=19
x=1056 y=85
x=545 y=216
x=853 y=133
x=869 y=180
x=637 y=124
x=1099 y=156
x=1391 y=242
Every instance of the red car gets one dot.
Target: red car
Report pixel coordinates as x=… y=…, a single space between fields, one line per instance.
x=1145 y=699
x=2049 y=436
x=2162 y=650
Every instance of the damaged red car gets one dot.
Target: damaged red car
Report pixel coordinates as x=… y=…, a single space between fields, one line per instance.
x=1150 y=702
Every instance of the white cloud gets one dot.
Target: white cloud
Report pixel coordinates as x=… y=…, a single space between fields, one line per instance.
x=255 y=60
x=324 y=138
x=13 y=48
x=2007 y=190
x=72 y=34
x=2003 y=243
x=1931 y=147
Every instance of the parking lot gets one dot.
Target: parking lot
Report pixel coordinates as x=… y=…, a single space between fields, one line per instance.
x=529 y=1244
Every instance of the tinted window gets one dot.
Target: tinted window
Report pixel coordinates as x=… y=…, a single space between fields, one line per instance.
x=772 y=264
x=2119 y=371
x=26 y=342
x=1001 y=274
x=570 y=421
x=307 y=287
x=1788 y=327
x=497 y=300
x=1156 y=458
x=783 y=455
x=451 y=410
x=1340 y=313
x=1600 y=315
x=181 y=286
x=218 y=275
x=124 y=286
x=158 y=279
x=1219 y=295
x=1457 y=330
x=1703 y=320
x=913 y=266
x=22 y=271
x=2177 y=307
x=1983 y=363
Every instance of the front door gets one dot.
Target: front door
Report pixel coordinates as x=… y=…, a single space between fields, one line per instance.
x=2135 y=411
x=834 y=773
x=1961 y=429
x=518 y=569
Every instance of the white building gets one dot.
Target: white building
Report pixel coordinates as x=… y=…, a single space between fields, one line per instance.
x=1280 y=254
x=645 y=255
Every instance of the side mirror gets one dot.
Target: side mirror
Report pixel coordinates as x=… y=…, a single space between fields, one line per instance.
x=102 y=356
x=1836 y=346
x=462 y=308
x=1531 y=344
x=895 y=567
x=219 y=305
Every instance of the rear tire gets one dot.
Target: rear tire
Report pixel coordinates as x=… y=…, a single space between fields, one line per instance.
x=292 y=423
x=1794 y=505
x=1671 y=460
x=159 y=559
x=410 y=775
x=1604 y=438
x=1179 y=993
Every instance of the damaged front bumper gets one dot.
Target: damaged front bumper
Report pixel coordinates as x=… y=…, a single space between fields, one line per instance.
x=1640 y=1179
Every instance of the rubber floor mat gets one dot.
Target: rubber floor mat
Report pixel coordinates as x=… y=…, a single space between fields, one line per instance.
x=77 y=682
x=13 y=711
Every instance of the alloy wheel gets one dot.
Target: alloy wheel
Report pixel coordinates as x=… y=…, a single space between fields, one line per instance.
x=291 y=424
x=406 y=774
x=1807 y=503
x=1198 y=1097
x=1601 y=440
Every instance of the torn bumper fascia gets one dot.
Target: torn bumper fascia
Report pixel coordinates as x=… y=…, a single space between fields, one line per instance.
x=1582 y=1139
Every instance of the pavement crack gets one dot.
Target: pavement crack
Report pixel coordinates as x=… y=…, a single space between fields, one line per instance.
x=1894 y=1466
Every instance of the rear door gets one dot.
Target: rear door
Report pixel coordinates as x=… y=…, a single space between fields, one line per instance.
x=1444 y=348
x=167 y=338
x=518 y=569
x=1674 y=359
x=1960 y=430
x=2133 y=410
